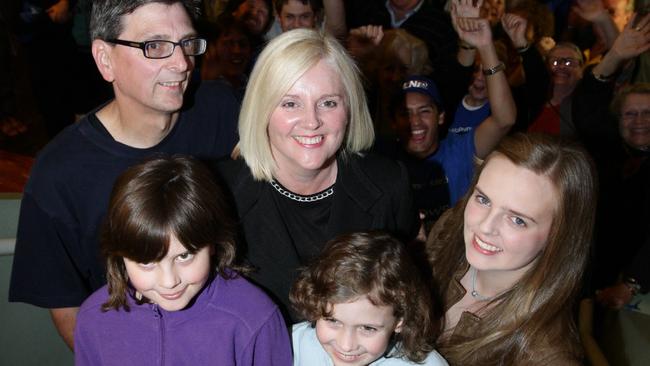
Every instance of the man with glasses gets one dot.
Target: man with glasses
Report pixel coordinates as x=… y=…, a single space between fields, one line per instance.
x=146 y=49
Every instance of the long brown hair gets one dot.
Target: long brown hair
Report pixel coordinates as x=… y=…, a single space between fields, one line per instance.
x=375 y=265
x=153 y=200
x=536 y=313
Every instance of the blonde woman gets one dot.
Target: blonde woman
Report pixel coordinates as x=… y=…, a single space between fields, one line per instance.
x=302 y=177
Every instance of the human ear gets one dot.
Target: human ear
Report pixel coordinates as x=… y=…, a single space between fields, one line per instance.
x=441 y=118
x=398 y=326
x=102 y=54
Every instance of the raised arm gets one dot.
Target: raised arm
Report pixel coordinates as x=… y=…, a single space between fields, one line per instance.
x=591 y=98
x=335 y=18
x=361 y=41
x=515 y=27
x=465 y=9
x=59 y=12
x=476 y=32
x=532 y=94
x=594 y=11
x=631 y=42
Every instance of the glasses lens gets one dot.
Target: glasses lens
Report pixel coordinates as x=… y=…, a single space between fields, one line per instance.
x=158 y=49
x=569 y=62
x=194 y=46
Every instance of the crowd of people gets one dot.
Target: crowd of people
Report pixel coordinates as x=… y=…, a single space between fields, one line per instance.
x=335 y=182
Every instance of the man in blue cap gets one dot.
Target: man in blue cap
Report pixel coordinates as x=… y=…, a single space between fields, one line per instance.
x=441 y=167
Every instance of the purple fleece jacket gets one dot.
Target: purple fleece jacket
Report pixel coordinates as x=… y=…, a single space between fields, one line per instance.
x=231 y=322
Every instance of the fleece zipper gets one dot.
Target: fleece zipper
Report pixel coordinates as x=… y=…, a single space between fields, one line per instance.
x=160 y=322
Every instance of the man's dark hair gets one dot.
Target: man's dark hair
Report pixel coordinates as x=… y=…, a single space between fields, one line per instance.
x=316 y=5
x=106 y=16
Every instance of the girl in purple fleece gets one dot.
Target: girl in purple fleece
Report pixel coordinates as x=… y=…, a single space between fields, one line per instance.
x=173 y=295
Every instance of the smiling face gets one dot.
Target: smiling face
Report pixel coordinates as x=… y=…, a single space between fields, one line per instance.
x=358 y=332
x=634 y=123
x=294 y=14
x=150 y=85
x=307 y=127
x=508 y=218
x=418 y=123
x=565 y=67
x=255 y=14
x=174 y=281
x=233 y=52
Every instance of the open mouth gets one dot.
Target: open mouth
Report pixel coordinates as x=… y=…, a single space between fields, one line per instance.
x=418 y=134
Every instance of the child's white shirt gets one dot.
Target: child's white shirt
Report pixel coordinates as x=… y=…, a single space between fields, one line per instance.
x=307 y=351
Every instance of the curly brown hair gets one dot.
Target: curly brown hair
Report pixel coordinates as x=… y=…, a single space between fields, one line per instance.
x=153 y=200
x=375 y=265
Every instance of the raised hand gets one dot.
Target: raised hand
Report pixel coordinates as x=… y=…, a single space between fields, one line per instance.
x=474 y=31
x=465 y=16
x=515 y=27
x=372 y=33
x=590 y=10
x=633 y=40
x=361 y=41
x=59 y=12
x=466 y=8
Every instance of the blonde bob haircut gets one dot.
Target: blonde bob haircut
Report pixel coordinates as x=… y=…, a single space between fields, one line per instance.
x=284 y=60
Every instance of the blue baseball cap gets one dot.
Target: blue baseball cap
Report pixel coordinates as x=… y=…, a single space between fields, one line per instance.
x=422 y=85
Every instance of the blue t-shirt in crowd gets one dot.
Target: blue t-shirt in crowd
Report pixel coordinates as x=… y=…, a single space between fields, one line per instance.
x=467 y=117
x=456 y=156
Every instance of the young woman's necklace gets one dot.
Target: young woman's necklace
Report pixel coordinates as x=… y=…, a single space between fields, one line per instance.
x=475 y=293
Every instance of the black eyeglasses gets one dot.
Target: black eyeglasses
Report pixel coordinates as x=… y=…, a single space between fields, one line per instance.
x=162 y=49
x=566 y=61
